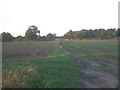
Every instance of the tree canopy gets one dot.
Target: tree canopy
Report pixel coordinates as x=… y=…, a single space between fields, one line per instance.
x=7 y=37
x=32 y=33
x=89 y=34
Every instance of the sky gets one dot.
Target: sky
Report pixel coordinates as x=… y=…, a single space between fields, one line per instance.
x=57 y=16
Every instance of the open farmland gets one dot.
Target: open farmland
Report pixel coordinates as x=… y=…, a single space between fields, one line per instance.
x=98 y=61
x=57 y=70
x=68 y=64
x=27 y=50
x=103 y=48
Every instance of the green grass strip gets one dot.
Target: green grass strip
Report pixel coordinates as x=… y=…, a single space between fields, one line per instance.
x=55 y=71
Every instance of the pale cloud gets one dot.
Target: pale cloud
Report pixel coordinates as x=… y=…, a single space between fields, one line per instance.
x=57 y=16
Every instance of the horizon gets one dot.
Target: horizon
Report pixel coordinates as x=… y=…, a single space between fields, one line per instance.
x=57 y=16
x=63 y=34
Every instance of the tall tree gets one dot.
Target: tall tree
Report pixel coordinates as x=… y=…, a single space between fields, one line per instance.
x=50 y=35
x=32 y=33
x=7 y=37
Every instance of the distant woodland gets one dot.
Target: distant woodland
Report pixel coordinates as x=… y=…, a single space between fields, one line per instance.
x=33 y=34
x=93 y=34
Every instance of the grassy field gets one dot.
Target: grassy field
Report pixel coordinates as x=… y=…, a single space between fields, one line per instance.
x=103 y=48
x=104 y=52
x=54 y=71
x=45 y=65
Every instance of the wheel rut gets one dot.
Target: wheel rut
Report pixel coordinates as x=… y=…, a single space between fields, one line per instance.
x=90 y=77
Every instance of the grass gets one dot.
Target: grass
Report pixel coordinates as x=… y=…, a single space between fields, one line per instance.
x=106 y=55
x=55 y=71
x=76 y=47
x=103 y=48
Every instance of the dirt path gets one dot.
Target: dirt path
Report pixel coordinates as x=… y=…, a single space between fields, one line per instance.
x=90 y=77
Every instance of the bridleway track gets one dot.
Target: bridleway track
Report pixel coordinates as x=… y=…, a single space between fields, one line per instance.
x=90 y=77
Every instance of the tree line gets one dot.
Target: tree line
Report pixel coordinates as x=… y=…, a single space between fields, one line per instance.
x=93 y=34
x=32 y=34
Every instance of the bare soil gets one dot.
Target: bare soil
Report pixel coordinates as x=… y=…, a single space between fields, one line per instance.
x=27 y=50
